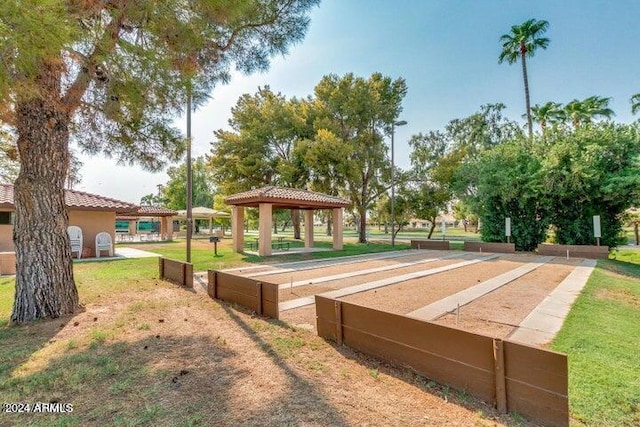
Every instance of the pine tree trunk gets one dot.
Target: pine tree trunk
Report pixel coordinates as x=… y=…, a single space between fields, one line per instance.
x=329 y=223
x=44 y=277
x=526 y=93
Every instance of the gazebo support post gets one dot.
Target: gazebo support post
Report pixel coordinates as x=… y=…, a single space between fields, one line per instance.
x=337 y=229
x=237 y=228
x=163 y=228
x=264 y=230
x=308 y=229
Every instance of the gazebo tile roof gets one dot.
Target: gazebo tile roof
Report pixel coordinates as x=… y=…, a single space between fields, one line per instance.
x=156 y=210
x=75 y=199
x=272 y=194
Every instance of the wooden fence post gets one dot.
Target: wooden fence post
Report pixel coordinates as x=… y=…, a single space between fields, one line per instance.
x=211 y=284
x=189 y=275
x=338 y=310
x=161 y=267
x=259 y=292
x=498 y=365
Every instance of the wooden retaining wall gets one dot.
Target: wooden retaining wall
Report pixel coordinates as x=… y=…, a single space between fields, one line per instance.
x=440 y=245
x=512 y=376
x=178 y=272
x=577 y=251
x=507 y=248
x=257 y=295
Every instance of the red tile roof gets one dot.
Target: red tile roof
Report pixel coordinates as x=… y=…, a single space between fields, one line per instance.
x=146 y=210
x=287 y=197
x=156 y=210
x=75 y=199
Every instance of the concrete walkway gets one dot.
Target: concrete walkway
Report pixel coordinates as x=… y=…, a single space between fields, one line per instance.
x=310 y=300
x=119 y=254
x=545 y=321
x=450 y=303
x=134 y=253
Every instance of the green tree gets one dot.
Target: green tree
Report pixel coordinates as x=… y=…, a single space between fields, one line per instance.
x=591 y=171
x=444 y=164
x=174 y=192
x=111 y=75
x=403 y=209
x=9 y=164
x=432 y=174
x=260 y=148
x=463 y=212
x=635 y=103
x=549 y=113
x=356 y=114
x=510 y=186
x=585 y=111
x=151 y=200
x=523 y=41
x=324 y=156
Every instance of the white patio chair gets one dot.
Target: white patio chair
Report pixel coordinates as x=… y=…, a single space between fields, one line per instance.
x=103 y=243
x=75 y=236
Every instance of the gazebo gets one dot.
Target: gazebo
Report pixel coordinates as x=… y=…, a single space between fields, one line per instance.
x=267 y=198
x=201 y=212
x=164 y=215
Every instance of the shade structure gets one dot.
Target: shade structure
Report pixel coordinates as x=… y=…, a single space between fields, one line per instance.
x=201 y=212
x=267 y=198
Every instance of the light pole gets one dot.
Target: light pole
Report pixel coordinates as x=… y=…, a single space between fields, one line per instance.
x=393 y=183
x=189 y=179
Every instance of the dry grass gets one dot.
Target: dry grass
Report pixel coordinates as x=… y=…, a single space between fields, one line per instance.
x=149 y=353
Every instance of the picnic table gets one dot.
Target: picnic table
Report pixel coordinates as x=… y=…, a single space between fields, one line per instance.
x=280 y=244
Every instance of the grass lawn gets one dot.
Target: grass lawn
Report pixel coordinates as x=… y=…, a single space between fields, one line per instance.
x=203 y=258
x=602 y=338
x=144 y=352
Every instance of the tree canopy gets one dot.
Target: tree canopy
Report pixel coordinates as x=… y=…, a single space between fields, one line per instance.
x=111 y=75
x=333 y=141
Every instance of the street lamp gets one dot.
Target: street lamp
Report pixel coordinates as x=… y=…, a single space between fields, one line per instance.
x=189 y=179
x=393 y=183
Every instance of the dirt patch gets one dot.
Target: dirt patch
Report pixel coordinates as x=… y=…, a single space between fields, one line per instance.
x=410 y=295
x=623 y=296
x=302 y=291
x=354 y=267
x=500 y=311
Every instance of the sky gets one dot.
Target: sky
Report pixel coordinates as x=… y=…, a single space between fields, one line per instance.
x=446 y=50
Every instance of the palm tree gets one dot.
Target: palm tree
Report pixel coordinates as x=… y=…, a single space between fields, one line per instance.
x=576 y=112
x=597 y=106
x=549 y=113
x=635 y=103
x=583 y=112
x=522 y=42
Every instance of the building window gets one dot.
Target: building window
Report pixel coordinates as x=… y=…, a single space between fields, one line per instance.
x=6 y=218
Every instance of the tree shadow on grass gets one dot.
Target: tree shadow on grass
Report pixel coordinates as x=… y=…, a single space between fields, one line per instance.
x=302 y=398
x=377 y=366
x=158 y=380
x=621 y=267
